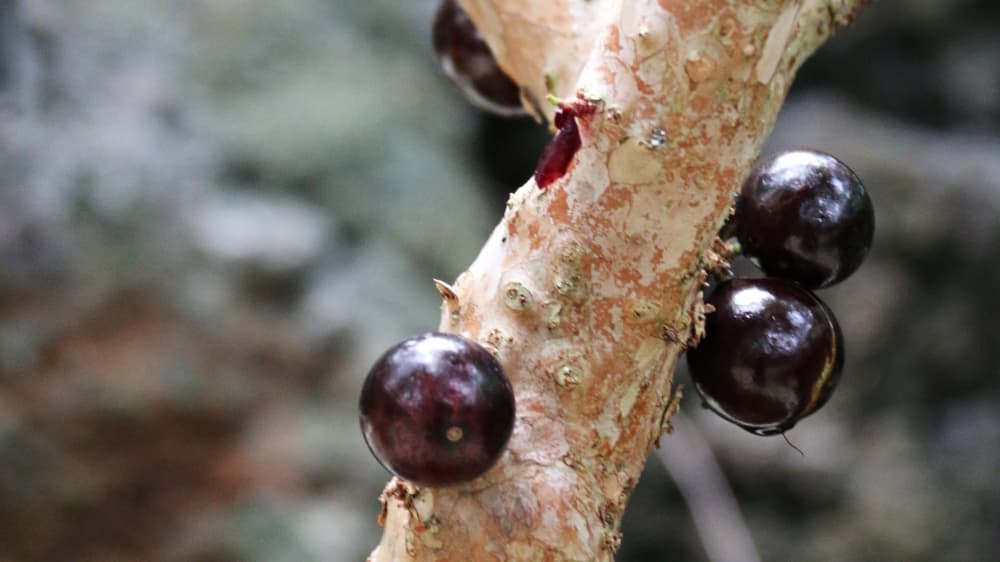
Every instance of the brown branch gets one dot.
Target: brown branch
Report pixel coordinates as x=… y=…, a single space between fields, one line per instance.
x=590 y=289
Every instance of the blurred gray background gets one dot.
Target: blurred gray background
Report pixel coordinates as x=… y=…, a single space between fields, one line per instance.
x=215 y=215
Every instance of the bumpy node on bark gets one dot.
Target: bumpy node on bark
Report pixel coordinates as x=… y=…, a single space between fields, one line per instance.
x=587 y=291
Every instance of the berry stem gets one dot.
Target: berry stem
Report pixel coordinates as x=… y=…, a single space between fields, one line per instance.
x=610 y=258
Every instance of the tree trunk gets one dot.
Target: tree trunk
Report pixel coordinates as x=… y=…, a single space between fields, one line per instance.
x=589 y=289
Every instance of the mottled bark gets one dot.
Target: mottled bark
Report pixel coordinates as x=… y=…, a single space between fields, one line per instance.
x=589 y=290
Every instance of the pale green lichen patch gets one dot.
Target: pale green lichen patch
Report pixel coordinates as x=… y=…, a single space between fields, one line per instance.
x=569 y=375
x=627 y=402
x=553 y=318
x=517 y=297
x=644 y=311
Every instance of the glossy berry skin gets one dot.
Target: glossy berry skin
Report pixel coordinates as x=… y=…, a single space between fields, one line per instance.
x=468 y=61
x=437 y=409
x=772 y=354
x=805 y=216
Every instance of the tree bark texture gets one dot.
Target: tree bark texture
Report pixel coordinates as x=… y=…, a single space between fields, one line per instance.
x=590 y=289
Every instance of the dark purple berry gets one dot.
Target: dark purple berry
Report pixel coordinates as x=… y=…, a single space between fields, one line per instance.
x=468 y=61
x=437 y=409
x=558 y=154
x=772 y=354
x=805 y=216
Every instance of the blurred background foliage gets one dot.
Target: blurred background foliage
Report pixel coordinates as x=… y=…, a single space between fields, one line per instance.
x=215 y=215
